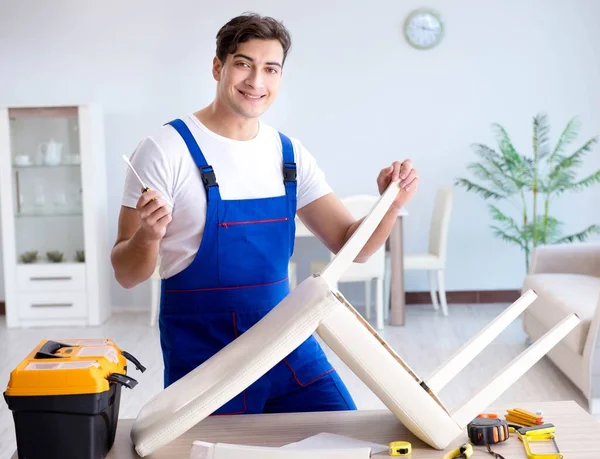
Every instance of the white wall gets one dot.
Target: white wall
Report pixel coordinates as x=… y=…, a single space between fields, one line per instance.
x=2 y=294
x=355 y=93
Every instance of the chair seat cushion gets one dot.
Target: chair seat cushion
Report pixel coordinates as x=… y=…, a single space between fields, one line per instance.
x=422 y=261
x=561 y=294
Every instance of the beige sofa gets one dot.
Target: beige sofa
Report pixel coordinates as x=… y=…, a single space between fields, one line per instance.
x=566 y=278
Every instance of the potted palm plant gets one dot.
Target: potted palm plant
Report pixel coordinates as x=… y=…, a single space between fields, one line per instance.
x=531 y=183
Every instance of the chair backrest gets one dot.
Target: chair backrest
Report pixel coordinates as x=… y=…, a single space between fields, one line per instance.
x=359 y=206
x=440 y=220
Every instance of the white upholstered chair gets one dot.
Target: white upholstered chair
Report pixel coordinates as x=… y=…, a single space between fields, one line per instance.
x=369 y=271
x=434 y=260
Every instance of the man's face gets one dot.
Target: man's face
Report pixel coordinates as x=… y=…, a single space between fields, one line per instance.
x=249 y=79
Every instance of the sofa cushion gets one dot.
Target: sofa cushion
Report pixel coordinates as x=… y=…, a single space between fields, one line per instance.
x=561 y=294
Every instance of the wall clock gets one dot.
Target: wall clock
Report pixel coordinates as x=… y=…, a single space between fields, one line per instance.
x=423 y=29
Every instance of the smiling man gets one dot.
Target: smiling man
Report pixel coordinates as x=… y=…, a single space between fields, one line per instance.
x=224 y=191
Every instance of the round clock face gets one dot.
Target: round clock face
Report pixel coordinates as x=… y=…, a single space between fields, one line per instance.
x=423 y=29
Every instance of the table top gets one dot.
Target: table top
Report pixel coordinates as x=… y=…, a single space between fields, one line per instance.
x=577 y=433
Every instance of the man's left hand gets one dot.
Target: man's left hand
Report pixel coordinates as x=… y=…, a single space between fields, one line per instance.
x=404 y=172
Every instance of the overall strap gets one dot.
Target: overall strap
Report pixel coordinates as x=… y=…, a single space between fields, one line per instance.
x=206 y=171
x=289 y=166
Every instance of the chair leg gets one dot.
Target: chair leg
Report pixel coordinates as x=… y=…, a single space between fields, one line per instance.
x=379 y=306
x=387 y=281
x=432 y=290
x=594 y=407
x=442 y=290
x=292 y=275
x=368 y=299
x=154 y=300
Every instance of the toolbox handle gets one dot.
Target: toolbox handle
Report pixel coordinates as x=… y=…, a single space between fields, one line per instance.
x=135 y=361
x=124 y=380
x=47 y=351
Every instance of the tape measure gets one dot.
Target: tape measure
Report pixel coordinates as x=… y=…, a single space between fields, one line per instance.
x=400 y=448
x=487 y=431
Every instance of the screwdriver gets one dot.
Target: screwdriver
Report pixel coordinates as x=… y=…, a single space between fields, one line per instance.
x=144 y=187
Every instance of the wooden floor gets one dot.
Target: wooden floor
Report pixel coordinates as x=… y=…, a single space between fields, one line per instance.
x=426 y=341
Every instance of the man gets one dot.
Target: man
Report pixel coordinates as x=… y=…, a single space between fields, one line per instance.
x=224 y=192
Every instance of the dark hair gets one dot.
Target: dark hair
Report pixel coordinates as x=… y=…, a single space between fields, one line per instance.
x=247 y=27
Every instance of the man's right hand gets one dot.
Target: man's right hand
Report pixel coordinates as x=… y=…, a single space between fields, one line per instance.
x=155 y=215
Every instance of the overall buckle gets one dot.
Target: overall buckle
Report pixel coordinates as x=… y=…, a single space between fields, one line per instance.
x=289 y=172
x=208 y=176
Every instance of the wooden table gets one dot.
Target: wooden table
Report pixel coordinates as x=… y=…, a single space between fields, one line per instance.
x=397 y=294
x=395 y=245
x=577 y=433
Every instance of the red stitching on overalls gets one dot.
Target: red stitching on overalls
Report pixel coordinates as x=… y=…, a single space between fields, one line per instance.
x=252 y=222
x=234 y=324
x=245 y=407
x=309 y=383
x=230 y=288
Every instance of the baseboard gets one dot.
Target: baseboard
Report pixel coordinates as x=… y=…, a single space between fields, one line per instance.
x=125 y=309
x=2 y=308
x=467 y=296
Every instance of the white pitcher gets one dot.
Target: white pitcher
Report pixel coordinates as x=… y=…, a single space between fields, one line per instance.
x=51 y=152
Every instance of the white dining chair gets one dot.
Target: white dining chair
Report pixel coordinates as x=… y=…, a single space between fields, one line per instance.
x=434 y=260
x=155 y=281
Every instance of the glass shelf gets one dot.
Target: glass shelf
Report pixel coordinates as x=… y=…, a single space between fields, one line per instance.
x=75 y=213
x=53 y=263
x=44 y=166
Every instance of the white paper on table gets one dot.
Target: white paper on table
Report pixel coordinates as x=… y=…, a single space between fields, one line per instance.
x=204 y=450
x=327 y=440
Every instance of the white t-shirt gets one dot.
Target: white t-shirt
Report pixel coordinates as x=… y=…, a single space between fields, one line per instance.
x=244 y=170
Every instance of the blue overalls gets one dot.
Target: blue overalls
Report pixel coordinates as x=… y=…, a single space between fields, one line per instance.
x=238 y=275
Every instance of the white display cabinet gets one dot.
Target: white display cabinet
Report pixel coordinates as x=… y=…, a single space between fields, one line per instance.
x=54 y=216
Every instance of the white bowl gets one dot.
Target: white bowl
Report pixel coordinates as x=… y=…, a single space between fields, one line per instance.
x=22 y=160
